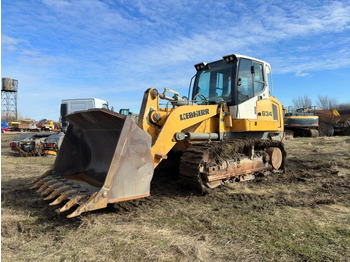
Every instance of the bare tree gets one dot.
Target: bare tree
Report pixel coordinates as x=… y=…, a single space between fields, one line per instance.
x=302 y=101
x=8 y=118
x=344 y=108
x=12 y=118
x=327 y=102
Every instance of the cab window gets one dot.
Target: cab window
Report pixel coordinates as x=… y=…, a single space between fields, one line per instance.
x=203 y=83
x=259 y=83
x=214 y=83
x=251 y=80
x=245 y=81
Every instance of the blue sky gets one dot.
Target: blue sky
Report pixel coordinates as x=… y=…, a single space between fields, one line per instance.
x=115 y=50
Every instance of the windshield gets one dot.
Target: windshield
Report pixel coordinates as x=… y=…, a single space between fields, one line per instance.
x=214 y=83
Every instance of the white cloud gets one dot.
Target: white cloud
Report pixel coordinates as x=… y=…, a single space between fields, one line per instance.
x=109 y=47
x=10 y=43
x=301 y=74
x=250 y=34
x=56 y=3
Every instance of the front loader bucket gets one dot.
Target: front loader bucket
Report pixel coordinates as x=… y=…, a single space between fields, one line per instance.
x=104 y=158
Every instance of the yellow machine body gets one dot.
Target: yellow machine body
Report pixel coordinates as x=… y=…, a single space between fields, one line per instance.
x=300 y=122
x=107 y=157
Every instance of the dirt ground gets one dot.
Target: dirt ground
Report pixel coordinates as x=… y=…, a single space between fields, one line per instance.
x=301 y=215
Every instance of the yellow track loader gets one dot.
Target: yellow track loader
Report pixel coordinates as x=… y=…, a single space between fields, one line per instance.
x=228 y=129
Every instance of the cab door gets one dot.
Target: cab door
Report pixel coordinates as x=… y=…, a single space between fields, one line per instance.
x=251 y=87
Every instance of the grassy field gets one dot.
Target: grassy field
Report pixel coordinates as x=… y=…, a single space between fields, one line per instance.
x=301 y=215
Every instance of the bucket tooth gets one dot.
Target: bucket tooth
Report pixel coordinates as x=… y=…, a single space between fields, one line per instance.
x=43 y=177
x=86 y=206
x=71 y=192
x=52 y=182
x=53 y=195
x=68 y=205
x=82 y=208
x=47 y=191
x=36 y=180
x=72 y=202
x=51 y=187
x=48 y=178
x=42 y=188
x=57 y=185
x=63 y=188
x=78 y=211
x=37 y=184
x=79 y=198
x=46 y=184
x=57 y=192
x=59 y=199
x=64 y=195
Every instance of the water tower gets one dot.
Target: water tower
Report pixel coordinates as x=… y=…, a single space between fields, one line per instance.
x=9 y=99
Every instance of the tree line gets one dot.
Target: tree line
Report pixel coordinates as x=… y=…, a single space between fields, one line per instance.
x=324 y=102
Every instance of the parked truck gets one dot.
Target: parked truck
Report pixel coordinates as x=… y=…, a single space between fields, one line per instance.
x=23 y=125
x=332 y=122
x=69 y=106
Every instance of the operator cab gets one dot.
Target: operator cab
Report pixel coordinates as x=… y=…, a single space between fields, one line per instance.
x=213 y=83
x=233 y=80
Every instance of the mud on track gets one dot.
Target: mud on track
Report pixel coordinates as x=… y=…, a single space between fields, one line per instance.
x=303 y=214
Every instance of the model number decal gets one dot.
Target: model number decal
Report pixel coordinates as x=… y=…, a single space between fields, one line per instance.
x=194 y=114
x=266 y=113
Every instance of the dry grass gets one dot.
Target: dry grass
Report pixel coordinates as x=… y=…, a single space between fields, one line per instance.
x=302 y=215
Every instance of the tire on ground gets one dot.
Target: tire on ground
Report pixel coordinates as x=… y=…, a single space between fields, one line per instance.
x=326 y=129
x=346 y=131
